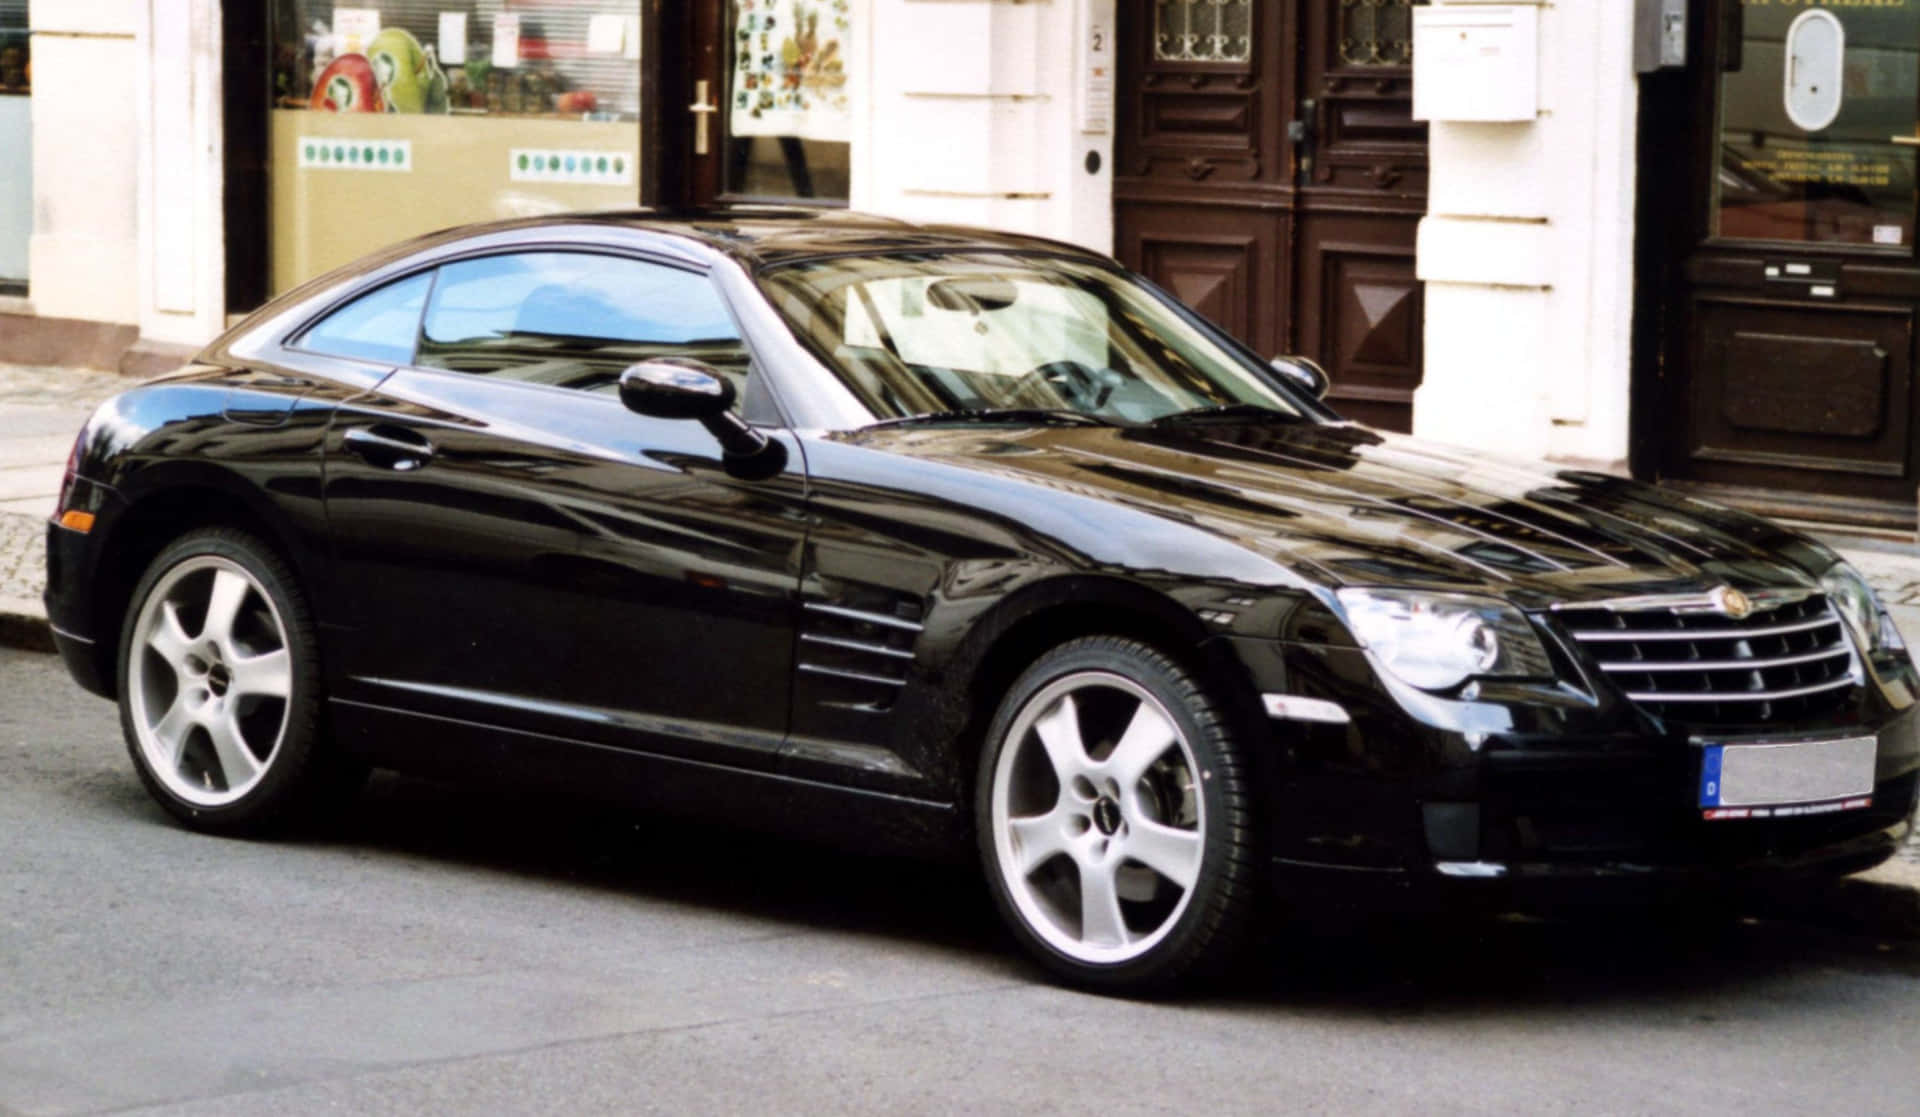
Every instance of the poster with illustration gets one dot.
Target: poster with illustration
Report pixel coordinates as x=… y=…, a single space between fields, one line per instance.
x=395 y=74
x=790 y=69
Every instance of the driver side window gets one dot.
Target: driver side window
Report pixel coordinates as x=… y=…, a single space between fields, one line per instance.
x=574 y=320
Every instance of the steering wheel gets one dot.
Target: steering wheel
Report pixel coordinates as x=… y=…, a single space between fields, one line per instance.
x=1082 y=387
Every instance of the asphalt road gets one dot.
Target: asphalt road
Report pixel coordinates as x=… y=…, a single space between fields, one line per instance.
x=458 y=951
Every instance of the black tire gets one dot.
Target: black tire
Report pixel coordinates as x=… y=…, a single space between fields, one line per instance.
x=298 y=773
x=1178 y=938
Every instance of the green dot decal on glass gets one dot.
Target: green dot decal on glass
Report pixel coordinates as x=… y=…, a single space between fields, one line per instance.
x=601 y=165
x=309 y=153
x=399 y=155
x=523 y=160
x=384 y=157
x=619 y=166
x=369 y=156
x=339 y=154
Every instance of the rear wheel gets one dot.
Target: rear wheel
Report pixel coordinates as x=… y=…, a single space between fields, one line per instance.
x=1113 y=817
x=220 y=687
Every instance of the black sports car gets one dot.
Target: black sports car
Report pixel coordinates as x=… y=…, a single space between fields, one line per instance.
x=942 y=539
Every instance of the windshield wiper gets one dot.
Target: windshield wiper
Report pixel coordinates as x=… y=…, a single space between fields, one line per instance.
x=1225 y=411
x=1034 y=415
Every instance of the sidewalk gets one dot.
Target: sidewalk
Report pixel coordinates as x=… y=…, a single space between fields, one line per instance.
x=41 y=410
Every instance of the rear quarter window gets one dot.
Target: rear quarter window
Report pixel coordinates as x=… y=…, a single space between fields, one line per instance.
x=380 y=326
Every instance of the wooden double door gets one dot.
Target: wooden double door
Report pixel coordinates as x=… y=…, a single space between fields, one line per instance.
x=1270 y=174
x=1779 y=284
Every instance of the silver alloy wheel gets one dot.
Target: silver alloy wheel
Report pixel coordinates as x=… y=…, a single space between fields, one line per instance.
x=1098 y=842
x=209 y=681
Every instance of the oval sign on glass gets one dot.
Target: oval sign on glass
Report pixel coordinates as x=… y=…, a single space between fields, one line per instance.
x=1816 y=55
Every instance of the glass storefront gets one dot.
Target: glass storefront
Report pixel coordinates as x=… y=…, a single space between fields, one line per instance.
x=393 y=118
x=788 y=106
x=16 y=145
x=1820 y=124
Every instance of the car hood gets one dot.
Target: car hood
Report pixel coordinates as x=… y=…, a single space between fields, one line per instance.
x=1343 y=504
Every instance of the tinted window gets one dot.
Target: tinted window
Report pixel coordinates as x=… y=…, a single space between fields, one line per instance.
x=574 y=320
x=376 y=327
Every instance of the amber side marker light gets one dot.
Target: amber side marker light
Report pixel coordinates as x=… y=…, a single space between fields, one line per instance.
x=75 y=520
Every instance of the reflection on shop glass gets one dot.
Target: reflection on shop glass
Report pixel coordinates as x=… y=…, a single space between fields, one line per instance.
x=787 y=112
x=16 y=49
x=1820 y=124
x=561 y=59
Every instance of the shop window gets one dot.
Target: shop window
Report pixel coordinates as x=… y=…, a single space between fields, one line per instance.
x=1203 y=30
x=379 y=327
x=574 y=320
x=16 y=49
x=16 y=146
x=502 y=57
x=392 y=118
x=789 y=113
x=1819 y=122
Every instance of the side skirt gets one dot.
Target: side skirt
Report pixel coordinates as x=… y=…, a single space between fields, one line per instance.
x=463 y=751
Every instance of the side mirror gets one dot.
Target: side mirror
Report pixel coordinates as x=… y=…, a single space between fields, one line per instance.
x=1303 y=374
x=675 y=389
x=680 y=388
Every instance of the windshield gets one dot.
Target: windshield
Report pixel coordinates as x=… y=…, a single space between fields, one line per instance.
x=977 y=333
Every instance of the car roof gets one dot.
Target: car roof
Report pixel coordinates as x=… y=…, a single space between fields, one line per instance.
x=764 y=236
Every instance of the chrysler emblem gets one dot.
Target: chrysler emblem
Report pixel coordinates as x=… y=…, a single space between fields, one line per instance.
x=1732 y=603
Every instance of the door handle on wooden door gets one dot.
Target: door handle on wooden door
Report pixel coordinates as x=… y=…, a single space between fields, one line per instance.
x=702 y=108
x=1302 y=131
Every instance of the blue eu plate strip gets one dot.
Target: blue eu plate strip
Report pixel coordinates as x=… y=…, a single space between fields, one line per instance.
x=1710 y=775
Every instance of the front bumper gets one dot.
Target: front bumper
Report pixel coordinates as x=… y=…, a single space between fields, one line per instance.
x=1536 y=784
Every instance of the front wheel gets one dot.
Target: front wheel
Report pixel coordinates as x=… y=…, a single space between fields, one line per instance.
x=1114 y=821
x=220 y=688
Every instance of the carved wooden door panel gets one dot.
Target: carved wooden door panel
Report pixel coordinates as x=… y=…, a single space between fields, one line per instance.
x=1789 y=315
x=1270 y=174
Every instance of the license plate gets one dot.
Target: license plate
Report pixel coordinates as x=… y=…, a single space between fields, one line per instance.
x=1783 y=779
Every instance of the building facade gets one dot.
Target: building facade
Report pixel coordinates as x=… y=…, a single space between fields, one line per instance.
x=1670 y=235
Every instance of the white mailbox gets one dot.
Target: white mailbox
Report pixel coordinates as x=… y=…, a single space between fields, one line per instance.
x=1476 y=62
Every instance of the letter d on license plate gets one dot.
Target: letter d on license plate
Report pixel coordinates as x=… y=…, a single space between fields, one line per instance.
x=1783 y=779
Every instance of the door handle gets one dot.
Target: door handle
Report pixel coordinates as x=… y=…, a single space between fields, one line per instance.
x=1301 y=132
x=702 y=108
x=394 y=448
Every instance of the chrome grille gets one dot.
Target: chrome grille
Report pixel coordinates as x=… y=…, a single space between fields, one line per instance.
x=1789 y=659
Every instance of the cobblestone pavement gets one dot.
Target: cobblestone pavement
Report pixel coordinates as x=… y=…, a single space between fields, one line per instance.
x=23 y=571
x=41 y=409
x=38 y=386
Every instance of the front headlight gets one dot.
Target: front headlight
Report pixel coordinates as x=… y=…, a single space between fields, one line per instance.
x=1856 y=603
x=1436 y=641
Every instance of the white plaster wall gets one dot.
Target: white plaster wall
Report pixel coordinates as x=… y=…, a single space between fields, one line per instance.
x=1527 y=252
x=83 y=255
x=180 y=183
x=970 y=114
